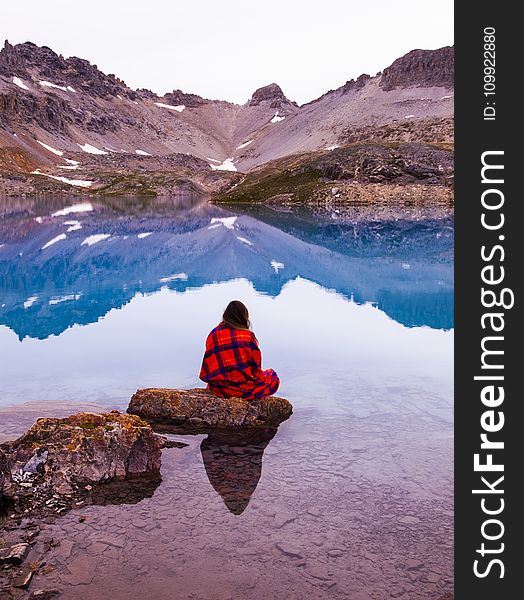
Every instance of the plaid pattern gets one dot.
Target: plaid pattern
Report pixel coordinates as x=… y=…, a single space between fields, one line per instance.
x=232 y=365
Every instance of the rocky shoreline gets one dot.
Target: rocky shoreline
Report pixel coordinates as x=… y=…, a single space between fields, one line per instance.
x=66 y=464
x=283 y=184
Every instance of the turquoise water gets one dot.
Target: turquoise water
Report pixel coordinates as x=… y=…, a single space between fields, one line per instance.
x=354 y=311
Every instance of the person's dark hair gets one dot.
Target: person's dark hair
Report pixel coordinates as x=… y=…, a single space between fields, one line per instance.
x=236 y=315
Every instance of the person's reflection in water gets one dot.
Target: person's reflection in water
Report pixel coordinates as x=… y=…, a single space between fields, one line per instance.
x=233 y=465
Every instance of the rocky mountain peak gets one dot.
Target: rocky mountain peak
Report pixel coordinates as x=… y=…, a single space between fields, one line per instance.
x=16 y=60
x=271 y=93
x=178 y=97
x=355 y=84
x=30 y=61
x=422 y=68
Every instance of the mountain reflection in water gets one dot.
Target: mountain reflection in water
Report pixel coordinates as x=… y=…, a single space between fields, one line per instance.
x=74 y=267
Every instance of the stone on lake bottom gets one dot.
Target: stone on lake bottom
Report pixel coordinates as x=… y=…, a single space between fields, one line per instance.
x=283 y=518
x=44 y=594
x=14 y=555
x=289 y=549
x=24 y=579
x=81 y=571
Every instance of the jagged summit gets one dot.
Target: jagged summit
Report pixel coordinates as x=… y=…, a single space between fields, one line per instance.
x=272 y=94
x=30 y=61
x=355 y=84
x=422 y=68
x=17 y=60
x=178 y=97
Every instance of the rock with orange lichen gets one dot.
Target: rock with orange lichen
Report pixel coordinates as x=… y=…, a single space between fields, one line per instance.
x=199 y=410
x=81 y=449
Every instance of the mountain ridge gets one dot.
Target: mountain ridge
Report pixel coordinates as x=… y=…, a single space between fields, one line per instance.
x=55 y=110
x=431 y=66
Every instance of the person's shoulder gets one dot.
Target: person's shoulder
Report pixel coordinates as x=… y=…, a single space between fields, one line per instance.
x=216 y=329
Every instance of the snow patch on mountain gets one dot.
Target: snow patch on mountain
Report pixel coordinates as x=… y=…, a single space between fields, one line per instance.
x=227 y=165
x=178 y=108
x=52 y=85
x=91 y=149
x=18 y=82
x=76 y=182
x=51 y=149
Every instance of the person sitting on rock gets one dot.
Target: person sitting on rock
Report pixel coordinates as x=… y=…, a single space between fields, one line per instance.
x=232 y=364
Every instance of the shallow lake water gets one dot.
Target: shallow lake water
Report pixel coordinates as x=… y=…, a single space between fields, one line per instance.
x=353 y=496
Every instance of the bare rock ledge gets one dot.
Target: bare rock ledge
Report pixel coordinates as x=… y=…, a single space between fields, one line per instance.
x=199 y=410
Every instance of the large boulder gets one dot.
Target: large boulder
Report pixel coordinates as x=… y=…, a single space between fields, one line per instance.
x=199 y=410
x=83 y=448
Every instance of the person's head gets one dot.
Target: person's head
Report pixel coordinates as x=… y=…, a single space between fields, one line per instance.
x=236 y=315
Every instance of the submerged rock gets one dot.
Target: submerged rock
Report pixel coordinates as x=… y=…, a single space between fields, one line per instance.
x=200 y=411
x=14 y=555
x=59 y=455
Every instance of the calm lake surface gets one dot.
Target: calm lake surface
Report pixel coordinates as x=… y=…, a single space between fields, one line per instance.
x=353 y=496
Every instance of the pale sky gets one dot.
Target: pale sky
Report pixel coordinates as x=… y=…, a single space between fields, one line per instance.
x=226 y=49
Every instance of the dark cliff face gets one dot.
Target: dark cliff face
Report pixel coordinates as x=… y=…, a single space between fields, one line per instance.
x=422 y=68
x=271 y=93
x=49 y=112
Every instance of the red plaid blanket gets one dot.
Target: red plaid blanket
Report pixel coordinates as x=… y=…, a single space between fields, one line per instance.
x=232 y=365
